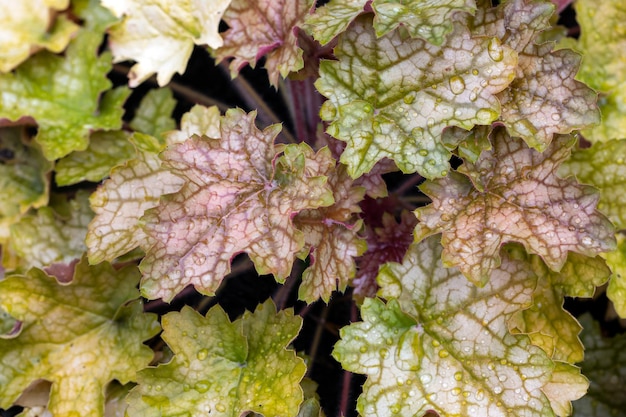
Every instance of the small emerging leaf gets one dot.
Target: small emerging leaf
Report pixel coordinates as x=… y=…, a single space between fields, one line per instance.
x=512 y=194
x=222 y=368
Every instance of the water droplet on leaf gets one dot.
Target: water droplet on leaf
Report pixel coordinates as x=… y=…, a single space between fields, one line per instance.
x=457 y=84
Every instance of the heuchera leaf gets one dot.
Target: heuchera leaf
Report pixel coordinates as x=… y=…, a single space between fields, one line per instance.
x=122 y=199
x=48 y=88
x=616 y=290
x=544 y=99
x=82 y=334
x=426 y=19
x=154 y=114
x=331 y=234
x=160 y=34
x=548 y=325
x=512 y=194
x=603 y=166
x=603 y=68
x=222 y=368
x=605 y=366
x=392 y=96
x=442 y=344
x=23 y=177
x=387 y=243
x=53 y=236
x=106 y=149
x=29 y=25
x=264 y=28
x=200 y=120
x=240 y=195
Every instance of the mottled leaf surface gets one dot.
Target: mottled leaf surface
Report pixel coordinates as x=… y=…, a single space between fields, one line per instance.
x=513 y=194
x=605 y=366
x=154 y=114
x=160 y=34
x=427 y=19
x=29 y=25
x=123 y=198
x=82 y=334
x=54 y=234
x=331 y=234
x=240 y=195
x=264 y=28
x=62 y=94
x=392 y=96
x=603 y=166
x=200 y=120
x=222 y=368
x=106 y=149
x=602 y=42
x=442 y=344
x=544 y=99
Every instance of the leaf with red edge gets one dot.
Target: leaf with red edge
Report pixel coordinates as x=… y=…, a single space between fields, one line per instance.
x=264 y=28
x=331 y=234
x=544 y=99
x=512 y=194
x=384 y=244
x=241 y=193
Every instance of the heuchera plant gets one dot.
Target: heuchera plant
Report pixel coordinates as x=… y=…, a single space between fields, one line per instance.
x=111 y=208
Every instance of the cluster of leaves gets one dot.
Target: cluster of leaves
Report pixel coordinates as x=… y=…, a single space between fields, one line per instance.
x=522 y=170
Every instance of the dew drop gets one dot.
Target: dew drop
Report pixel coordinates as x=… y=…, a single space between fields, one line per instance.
x=587 y=241
x=457 y=85
x=363 y=349
x=456 y=391
x=458 y=376
x=202 y=354
x=486 y=116
x=425 y=379
x=443 y=353
x=497 y=390
x=409 y=99
x=423 y=152
x=198 y=259
x=495 y=50
x=189 y=272
x=556 y=117
x=475 y=71
x=480 y=395
x=202 y=386
x=473 y=96
x=395 y=409
x=383 y=353
x=502 y=378
x=220 y=408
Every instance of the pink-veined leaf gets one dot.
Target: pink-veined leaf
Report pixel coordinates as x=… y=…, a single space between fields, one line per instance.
x=331 y=234
x=513 y=194
x=241 y=193
x=264 y=28
x=544 y=99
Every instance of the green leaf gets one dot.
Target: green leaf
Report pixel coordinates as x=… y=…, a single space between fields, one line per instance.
x=470 y=143
x=605 y=366
x=512 y=194
x=24 y=177
x=240 y=195
x=153 y=116
x=200 y=120
x=51 y=236
x=544 y=99
x=30 y=25
x=603 y=166
x=264 y=28
x=222 y=368
x=62 y=95
x=122 y=199
x=602 y=43
x=106 y=149
x=160 y=34
x=442 y=344
x=617 y=286
x=429 y=20
x=392 y=96
x=331 y=234
x=79 y=334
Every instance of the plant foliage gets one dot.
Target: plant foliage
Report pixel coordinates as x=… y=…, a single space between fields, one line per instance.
x=126 y=215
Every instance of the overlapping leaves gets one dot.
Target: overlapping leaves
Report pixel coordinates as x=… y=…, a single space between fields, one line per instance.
x=223 y=368
x=392 y=96
x=513 y=194
x=441 y=343
x=82 y=334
